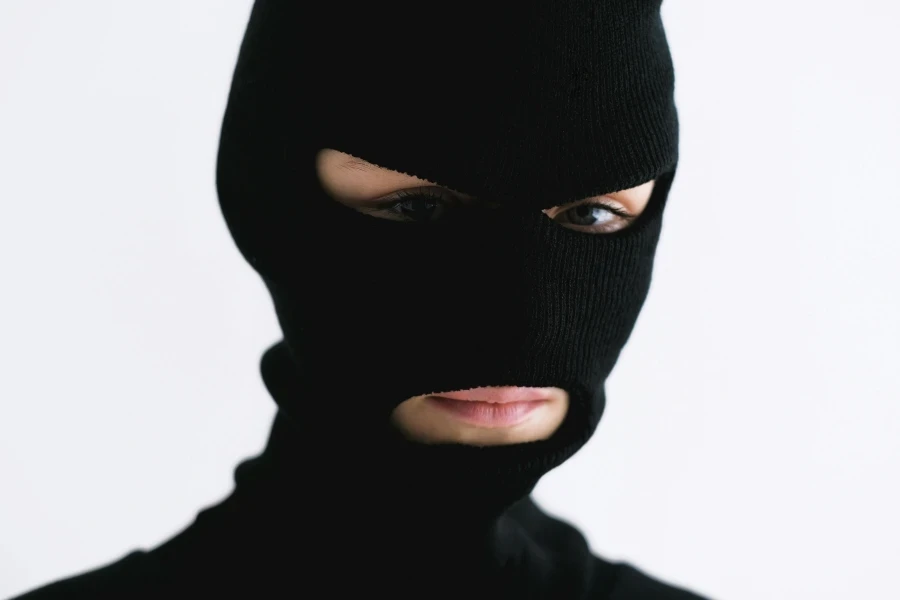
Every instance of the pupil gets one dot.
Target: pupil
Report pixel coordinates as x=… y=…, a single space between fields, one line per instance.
x=418 y=209
x=585 y=212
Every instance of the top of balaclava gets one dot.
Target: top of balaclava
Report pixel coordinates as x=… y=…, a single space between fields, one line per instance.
x=527 y=106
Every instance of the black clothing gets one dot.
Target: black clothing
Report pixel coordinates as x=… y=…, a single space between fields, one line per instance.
x=294 y=530
x=538 y=106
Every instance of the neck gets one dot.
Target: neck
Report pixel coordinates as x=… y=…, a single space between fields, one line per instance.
x=370 y=484
x=332 y=508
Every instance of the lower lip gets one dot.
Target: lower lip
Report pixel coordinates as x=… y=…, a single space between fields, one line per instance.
x=487 y=414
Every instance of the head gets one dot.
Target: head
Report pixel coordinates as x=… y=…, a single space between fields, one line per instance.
x=456 y=221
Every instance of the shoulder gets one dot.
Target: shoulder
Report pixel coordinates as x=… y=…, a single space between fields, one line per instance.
x=623 y=581
x=109 y=581
x=560 y=551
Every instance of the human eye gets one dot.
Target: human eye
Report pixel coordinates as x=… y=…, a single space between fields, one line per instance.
x=416 y=205
x=592 y=216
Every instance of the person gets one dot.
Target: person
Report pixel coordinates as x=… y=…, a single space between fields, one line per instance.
x=455 y=213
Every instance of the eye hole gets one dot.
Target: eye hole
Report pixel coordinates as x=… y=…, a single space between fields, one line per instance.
x=430 y=204
x=593 y=216
x=417 y=205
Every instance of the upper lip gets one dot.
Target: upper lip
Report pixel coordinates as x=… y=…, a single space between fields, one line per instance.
x=497 y=395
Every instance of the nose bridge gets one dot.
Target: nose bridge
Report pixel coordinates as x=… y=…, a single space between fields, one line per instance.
x=492 y=241
x=492 y=261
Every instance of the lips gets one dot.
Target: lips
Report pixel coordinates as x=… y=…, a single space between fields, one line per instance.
x=498 y=395
x=491 y=407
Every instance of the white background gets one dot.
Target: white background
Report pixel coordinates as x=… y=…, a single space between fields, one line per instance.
x=751 y=447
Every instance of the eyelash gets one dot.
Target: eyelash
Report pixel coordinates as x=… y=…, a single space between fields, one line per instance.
x=613 y=209
x=400 y=196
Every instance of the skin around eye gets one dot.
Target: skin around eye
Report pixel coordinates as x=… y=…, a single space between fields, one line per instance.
x=429 y=204
x=419 y=205
x=593 y=215
x=388 y=194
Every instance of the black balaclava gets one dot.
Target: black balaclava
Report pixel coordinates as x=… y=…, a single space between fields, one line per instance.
x=526 y=106
x=523 y=105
